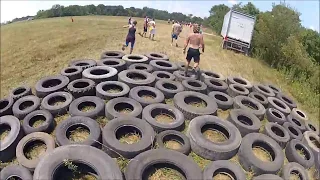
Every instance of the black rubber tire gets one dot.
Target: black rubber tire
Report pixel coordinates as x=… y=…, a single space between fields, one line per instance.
x=208 y=149
x=223 y=100
x=274 y=115
x=127 y=75
x=126 y=103
x=237 y=90
x=180 y=76
x=264 y=90
x=279 y=105
x=46 y=126
x=182 y=65
x=59 y=109
x=277 y=132
x=20 y=92
x=267 y=177
x=296 y=168
x=137 y=93
x=250 y=162
x=224 y=167
x=97 y=111
x=115 y=128
x=104 y=165
x=82 y=87
x=6 y=106
x=71 y=124
x=240 y=102
x=157 y=56
x=299 y=114
x=45 y=138
x=73 y=72
x=245 y=121
x=216 y=85
x=112 y=54
x=172 y=135
x=311 y=127
x=260 y=98
x=151 y=111
x=211 y=75
x=21 y=113
x=103 y=87
x=52 y=84
x=141 y=66
x=240 y=81
x=286 y=99
x=274 y=88
x=190 y=111
x=9 y=144
x=83 y=63
x=118 y=64
x=297 y=123
x=135 y=58
x=163 y=75
x=311 y=139
x=293 y=155
x=169 y=87
x=163 y=65
x=293 y=131
x=194 y=85
x=100 y=74
x=12 y=171
x=182 y=163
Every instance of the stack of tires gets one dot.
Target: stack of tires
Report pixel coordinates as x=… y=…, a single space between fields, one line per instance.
x=132 y=92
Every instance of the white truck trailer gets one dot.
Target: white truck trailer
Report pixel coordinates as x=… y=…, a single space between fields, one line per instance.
x=237 y=31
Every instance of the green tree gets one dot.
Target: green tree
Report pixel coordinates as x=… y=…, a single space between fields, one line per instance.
x=311 y=41
x=217 y=14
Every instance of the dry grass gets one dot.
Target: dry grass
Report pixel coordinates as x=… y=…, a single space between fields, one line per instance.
x=87 y=108
x=102 y=121
x=35 y=150
x=11 y=162
x=302 y=153
x=202 y=163
x=125 y=111
x=214 y=136
x=130 y=138
x=4 y=133
x=147 y=97
x=197 y=104
x=37 y=123
x=172 y=145
x=222 y=176
x=116 y=90
x=249 y=174
x=165 y=174
x=80 y=134
x=169 y=101
x=223 y=114
x=262 y=154
x=164 y=118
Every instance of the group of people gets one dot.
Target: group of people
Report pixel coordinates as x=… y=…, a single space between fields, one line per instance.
x=194 y=40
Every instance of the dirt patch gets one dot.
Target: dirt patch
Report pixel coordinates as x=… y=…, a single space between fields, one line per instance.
x=130 y=138
x=262 y=154
x=164 y=118
x=166 y=173
x=214 y=136
x=79 y=134
x=172 y=145
x=34 y=150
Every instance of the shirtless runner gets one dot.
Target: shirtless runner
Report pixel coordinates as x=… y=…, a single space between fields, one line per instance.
x=195 y=41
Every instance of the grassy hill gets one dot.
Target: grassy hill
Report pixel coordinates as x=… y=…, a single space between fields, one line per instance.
x=34 y=49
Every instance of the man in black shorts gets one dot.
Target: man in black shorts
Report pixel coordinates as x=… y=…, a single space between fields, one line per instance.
x=145 y=27
x=195 y=41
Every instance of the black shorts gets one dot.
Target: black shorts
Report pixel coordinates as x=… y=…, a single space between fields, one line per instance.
x=145 y=29
x=193 y=53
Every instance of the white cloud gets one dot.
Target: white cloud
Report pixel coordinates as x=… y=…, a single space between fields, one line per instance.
x=233 y=2
x=311 y=27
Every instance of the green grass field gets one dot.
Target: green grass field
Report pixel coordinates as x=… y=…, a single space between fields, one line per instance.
x=34 y=49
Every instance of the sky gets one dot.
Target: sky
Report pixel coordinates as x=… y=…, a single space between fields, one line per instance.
x=309 y=9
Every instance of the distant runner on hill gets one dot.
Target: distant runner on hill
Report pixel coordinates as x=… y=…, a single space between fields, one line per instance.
x=152 y=25
x=176 y=30
x=195 y=41
x=131 y=37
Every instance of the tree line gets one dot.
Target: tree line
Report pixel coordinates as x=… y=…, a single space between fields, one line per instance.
x=76 y=10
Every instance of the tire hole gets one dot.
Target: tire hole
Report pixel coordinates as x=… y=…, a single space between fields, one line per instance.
x=70 y=70
x=195 y=101
x=163 y=171
x=240 y=81
x=78 y=133
x=162 y=115
x=82 y=64
x=81 y=84
x=278 y=103
x=173 y=142
x=312 y=127
x=128 y=134
x=51 y=83
x=134 y=57
x=215 y=133
x=239 y=88
x=112 y=88
x=123 y=108
x=302 y=151
x=296 y=122
x=293 y=131
x=224 y=174
x=136 y=76
x=221 y=97
x=249 y=104
x=14 y=178
x=112 y=54
x=287 y=100
x=276 y=114
x=56 y=101
x=34 y=149
x=163 y=64
x=301 y=114
x=212 y=74
x=276 y=130
x=295 y=175
x=156 y=55
x=19 y=91
x=4 y=131
x=193 y=83
x=74 y=170
x=315 y=142
x=140 y=68
x=263 y=89
x=25 y=105
x=263 y=151
x=98 y=72
x=147 y=95
x=37 y=121
x=258 y=97
x=163 y=76
x=4 y=104
x=86 y=106
x=215 y=82
x=110 y=63
x=245 y=120
x=170 y=86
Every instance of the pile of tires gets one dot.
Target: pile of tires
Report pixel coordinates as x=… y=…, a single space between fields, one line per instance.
x=171 y=113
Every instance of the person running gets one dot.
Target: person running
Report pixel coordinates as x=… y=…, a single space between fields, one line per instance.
x=176 y=30
x=152 y=25
x=131 y=37
x=195 y=41
x=145 y=27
